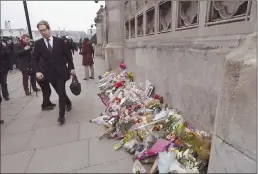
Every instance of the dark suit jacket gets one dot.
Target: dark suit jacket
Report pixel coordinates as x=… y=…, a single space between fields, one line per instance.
x=53 y=65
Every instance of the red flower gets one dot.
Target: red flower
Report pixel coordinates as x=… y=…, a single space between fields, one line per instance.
x=118 y=84
x=156 y=96
x=122 y=65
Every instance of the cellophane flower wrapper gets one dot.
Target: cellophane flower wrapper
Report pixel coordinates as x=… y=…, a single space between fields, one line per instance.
x=138 y=167
x=130 y=144
x=165 y=160
x=101 y=120
x=159 y=146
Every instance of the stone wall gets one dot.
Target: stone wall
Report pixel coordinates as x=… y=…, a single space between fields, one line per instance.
x=187 y=49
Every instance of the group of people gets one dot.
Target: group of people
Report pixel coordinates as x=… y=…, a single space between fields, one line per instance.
x=48 y=62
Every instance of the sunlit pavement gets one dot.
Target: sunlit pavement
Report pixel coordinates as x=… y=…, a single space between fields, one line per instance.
x=33 y=142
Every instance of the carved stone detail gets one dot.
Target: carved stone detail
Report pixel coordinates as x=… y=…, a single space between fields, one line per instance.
x=127 y=30
x=188 y=13
x=140 y=25
x=165 y=17
x=99 y=17
x=127 y=7
x=132 y=26
x=222 y=10
x=150 y=23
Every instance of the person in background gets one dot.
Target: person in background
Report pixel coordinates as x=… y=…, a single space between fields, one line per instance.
x=87 y=61
x=70 y=44
x=10 y=45
x=80 y=46
x=5 y=67
x=23 y=51
x=15 y=58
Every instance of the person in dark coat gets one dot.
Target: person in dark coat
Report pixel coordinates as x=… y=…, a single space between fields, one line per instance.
x=87 y=61
x=5 y=67
x=23 y=51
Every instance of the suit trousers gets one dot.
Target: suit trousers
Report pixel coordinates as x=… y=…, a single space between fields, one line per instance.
x=46 y=92
x=59 y=86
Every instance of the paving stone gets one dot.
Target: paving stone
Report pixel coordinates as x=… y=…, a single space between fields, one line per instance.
x=84 y=170
x=12 y=143
x=20 y=125
x=120 y=166
x=90 y=130
x=54 y=136
x=16 y=163
x=60 y=158
x=32 y=110
x=46 y=119
x=101 y=151
x=15 y=105
x=7 y=121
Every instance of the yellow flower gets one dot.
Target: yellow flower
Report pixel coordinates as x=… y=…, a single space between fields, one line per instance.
x=130 y=75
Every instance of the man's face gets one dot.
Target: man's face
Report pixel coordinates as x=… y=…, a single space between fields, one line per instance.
x=26 y=39
x=44 y=31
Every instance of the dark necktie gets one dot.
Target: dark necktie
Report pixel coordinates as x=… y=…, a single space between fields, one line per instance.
x=49 y=46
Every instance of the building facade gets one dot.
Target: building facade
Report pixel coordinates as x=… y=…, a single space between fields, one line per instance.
x=199 y=55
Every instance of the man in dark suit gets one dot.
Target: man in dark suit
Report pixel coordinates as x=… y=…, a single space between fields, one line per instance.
x=51 y=50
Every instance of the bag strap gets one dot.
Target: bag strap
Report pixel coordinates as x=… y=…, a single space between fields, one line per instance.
x=75 y=79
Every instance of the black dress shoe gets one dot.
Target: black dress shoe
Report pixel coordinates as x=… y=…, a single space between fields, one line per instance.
x=2 y=121
x=61 y=120
x=52 y=104
x=68 y=107
x=91 y=77
x=27 y=93
x=6 y=98
x=47 y=108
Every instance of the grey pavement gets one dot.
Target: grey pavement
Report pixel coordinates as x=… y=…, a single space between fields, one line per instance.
x=33 y=142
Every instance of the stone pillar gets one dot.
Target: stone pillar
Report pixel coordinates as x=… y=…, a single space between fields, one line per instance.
x=99 y=33
x=114 y=50
x=104 y=36
x=234 y=140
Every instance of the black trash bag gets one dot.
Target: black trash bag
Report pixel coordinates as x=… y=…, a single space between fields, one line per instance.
x=75 y=86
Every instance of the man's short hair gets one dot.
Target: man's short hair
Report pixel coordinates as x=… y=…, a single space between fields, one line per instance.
x=43 y=22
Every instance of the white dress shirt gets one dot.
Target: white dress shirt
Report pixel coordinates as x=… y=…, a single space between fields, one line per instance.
x=50 y=41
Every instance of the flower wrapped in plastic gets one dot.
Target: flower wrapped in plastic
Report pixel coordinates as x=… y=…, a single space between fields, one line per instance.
x=130 y=76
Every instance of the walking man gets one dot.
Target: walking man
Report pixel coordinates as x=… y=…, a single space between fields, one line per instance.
x=52 y=51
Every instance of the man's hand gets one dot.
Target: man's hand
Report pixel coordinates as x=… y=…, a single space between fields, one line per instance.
x=73 y=72
x=27 y=47
x=39 y=75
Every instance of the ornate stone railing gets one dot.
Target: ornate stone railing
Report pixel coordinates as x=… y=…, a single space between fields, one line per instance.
x=155 y=17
